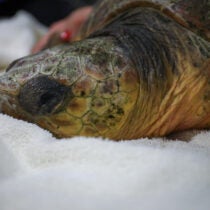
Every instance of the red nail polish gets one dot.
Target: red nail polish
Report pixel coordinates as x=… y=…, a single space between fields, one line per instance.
x=66 y=35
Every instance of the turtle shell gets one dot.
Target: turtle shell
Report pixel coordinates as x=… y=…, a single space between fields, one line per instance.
x=192 y=14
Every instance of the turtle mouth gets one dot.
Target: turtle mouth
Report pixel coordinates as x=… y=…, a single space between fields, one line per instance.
x=42 y=96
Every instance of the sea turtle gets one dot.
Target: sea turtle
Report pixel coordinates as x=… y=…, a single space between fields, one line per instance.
x=138 y=69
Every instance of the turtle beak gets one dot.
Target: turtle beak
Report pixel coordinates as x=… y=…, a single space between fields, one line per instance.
x=8 y=84
x=9 y=89
x=16 y=74
x=21 y=87
x=8 y=92
x=40 y=95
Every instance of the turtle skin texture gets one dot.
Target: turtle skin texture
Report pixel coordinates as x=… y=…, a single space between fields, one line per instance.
x=136 y=69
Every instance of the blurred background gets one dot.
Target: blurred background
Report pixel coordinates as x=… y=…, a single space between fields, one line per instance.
x=45 y=11
x=24 y=22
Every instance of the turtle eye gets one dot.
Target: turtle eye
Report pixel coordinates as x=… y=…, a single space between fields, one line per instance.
x=42 y=95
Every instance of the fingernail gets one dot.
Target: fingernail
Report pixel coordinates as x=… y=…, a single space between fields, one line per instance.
x=66 y=35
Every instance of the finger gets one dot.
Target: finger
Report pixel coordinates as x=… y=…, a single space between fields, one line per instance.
x=40 y=44
x=55 y=28
x=71 y=23
x=76 y=19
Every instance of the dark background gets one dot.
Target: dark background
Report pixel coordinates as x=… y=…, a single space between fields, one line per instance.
x=46 y=11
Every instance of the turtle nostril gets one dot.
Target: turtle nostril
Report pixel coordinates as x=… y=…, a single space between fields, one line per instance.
x=42 y=95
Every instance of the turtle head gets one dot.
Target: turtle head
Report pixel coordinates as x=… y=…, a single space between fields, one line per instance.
x=37 y=87
x=70 y=89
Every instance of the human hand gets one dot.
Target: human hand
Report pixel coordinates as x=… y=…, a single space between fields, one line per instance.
x=71 y=23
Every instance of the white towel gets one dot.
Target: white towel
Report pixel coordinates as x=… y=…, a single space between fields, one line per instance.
x=17 y=36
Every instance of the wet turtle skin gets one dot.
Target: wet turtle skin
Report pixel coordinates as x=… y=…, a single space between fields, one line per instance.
x=138 y=69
